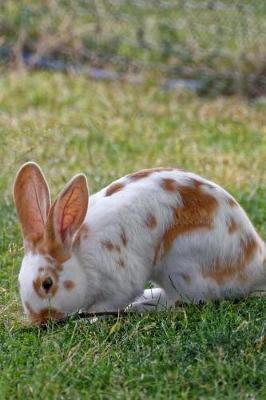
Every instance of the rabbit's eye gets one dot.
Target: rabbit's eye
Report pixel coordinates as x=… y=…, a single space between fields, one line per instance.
x=47 y=284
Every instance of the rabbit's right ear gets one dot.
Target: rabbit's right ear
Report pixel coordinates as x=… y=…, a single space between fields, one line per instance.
x=32 y=200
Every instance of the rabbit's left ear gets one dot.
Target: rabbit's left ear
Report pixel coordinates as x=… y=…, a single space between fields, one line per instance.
x=32 y=201
x=67 y=213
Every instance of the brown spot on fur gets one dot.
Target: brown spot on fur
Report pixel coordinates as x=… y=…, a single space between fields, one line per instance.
x=197 y=212
x=121 y=262
x=232 y=225
x=169 y=184
x=44 y=315
x=140 y=174
x=110 y=246
x=123 y=237
x=115 y=187
x=146 y=172
x=151 y=221
x=221 y=271
x=41 y=269
x=69 y=285
x=37 y=283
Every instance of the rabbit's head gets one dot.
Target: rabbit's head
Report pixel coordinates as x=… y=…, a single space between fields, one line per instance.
x=52 y=283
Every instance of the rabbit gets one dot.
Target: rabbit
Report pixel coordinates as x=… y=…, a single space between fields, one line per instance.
x=175 y=229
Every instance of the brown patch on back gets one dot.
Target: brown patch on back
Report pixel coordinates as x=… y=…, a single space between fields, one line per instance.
x=196 y=213
x=151 y=221
x=44 y=315
x=115 y=187
x=170 y=185
x=69 y=285
x=222 y=272
x=231 y=225
x=140 y=174
x=146 y=172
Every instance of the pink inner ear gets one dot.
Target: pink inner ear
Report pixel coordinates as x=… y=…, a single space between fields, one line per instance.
x=32 y=199
x=70 y=211
x=67 y=221
x=70 y=208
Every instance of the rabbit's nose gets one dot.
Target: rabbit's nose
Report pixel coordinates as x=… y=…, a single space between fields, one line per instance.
x=47 y=284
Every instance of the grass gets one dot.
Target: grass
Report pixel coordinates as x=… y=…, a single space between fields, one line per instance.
x=196 y=39
x=70 y=124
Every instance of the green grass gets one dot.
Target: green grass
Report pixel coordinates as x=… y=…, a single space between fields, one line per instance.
x=70 y=124
x=214 y=35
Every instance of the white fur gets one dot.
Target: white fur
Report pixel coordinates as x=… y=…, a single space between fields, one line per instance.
x=104 y=285
x=66 y=301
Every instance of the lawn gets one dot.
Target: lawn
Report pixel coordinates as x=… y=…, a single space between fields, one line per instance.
x=198 y=39
x=107 y=129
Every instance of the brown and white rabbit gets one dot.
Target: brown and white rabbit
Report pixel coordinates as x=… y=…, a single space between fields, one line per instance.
x=184 y=233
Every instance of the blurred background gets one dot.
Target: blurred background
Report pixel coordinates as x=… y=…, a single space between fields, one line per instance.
x=210 y=46
x=113 y=86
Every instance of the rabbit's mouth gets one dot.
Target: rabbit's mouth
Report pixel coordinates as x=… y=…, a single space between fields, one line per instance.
x=44 y=315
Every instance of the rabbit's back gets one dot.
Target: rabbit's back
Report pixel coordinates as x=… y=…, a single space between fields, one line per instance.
x=177 y=224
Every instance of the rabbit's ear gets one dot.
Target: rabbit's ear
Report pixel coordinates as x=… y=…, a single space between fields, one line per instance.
x=67 y=213
x=32 y=200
